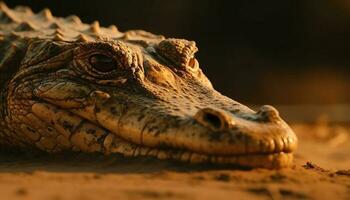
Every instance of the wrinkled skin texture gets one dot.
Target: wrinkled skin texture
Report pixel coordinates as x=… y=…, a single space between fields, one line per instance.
x=69 y=86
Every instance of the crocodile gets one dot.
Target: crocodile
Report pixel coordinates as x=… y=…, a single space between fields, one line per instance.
x=68 y=86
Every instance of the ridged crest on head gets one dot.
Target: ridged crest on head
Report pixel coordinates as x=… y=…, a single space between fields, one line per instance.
x=22 y=22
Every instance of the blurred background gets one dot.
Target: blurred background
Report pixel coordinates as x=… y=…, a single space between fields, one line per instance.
x=293 y=54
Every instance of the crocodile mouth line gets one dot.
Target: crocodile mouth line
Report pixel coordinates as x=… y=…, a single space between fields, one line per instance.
x=273 y=160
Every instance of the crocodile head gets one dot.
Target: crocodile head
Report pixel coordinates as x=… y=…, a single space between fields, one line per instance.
x=139 y=95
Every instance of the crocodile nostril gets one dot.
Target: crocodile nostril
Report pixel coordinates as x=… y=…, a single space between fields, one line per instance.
x=214 y=119
x=268 y=113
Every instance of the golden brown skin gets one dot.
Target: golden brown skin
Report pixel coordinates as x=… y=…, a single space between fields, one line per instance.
x=73 y=86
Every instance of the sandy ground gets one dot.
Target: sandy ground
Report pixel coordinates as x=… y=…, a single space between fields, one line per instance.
x=321 y=171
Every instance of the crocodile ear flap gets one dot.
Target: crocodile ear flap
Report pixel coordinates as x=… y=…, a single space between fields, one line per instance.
x=178 y=51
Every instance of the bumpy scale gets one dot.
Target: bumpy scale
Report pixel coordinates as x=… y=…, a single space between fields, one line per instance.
x=70 y=86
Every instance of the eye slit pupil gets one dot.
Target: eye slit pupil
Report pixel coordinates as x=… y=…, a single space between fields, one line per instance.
x=192 y=63
x=102 y=63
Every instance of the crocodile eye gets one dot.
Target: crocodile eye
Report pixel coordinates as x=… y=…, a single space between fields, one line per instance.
x=102 y=63
x=193 y=64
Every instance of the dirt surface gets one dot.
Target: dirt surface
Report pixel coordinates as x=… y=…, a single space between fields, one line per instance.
x=321 y=171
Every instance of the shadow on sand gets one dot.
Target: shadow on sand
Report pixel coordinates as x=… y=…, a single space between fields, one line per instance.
x=28 y=162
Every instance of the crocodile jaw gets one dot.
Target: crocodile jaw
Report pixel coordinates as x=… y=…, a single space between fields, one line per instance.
x=90 y=136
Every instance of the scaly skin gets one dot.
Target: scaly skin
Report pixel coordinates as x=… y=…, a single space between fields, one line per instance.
x=69 y=86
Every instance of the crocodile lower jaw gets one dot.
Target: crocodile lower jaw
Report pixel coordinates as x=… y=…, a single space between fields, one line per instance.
x=276 y=160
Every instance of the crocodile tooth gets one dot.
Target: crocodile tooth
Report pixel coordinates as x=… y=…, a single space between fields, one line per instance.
x=46 y=14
